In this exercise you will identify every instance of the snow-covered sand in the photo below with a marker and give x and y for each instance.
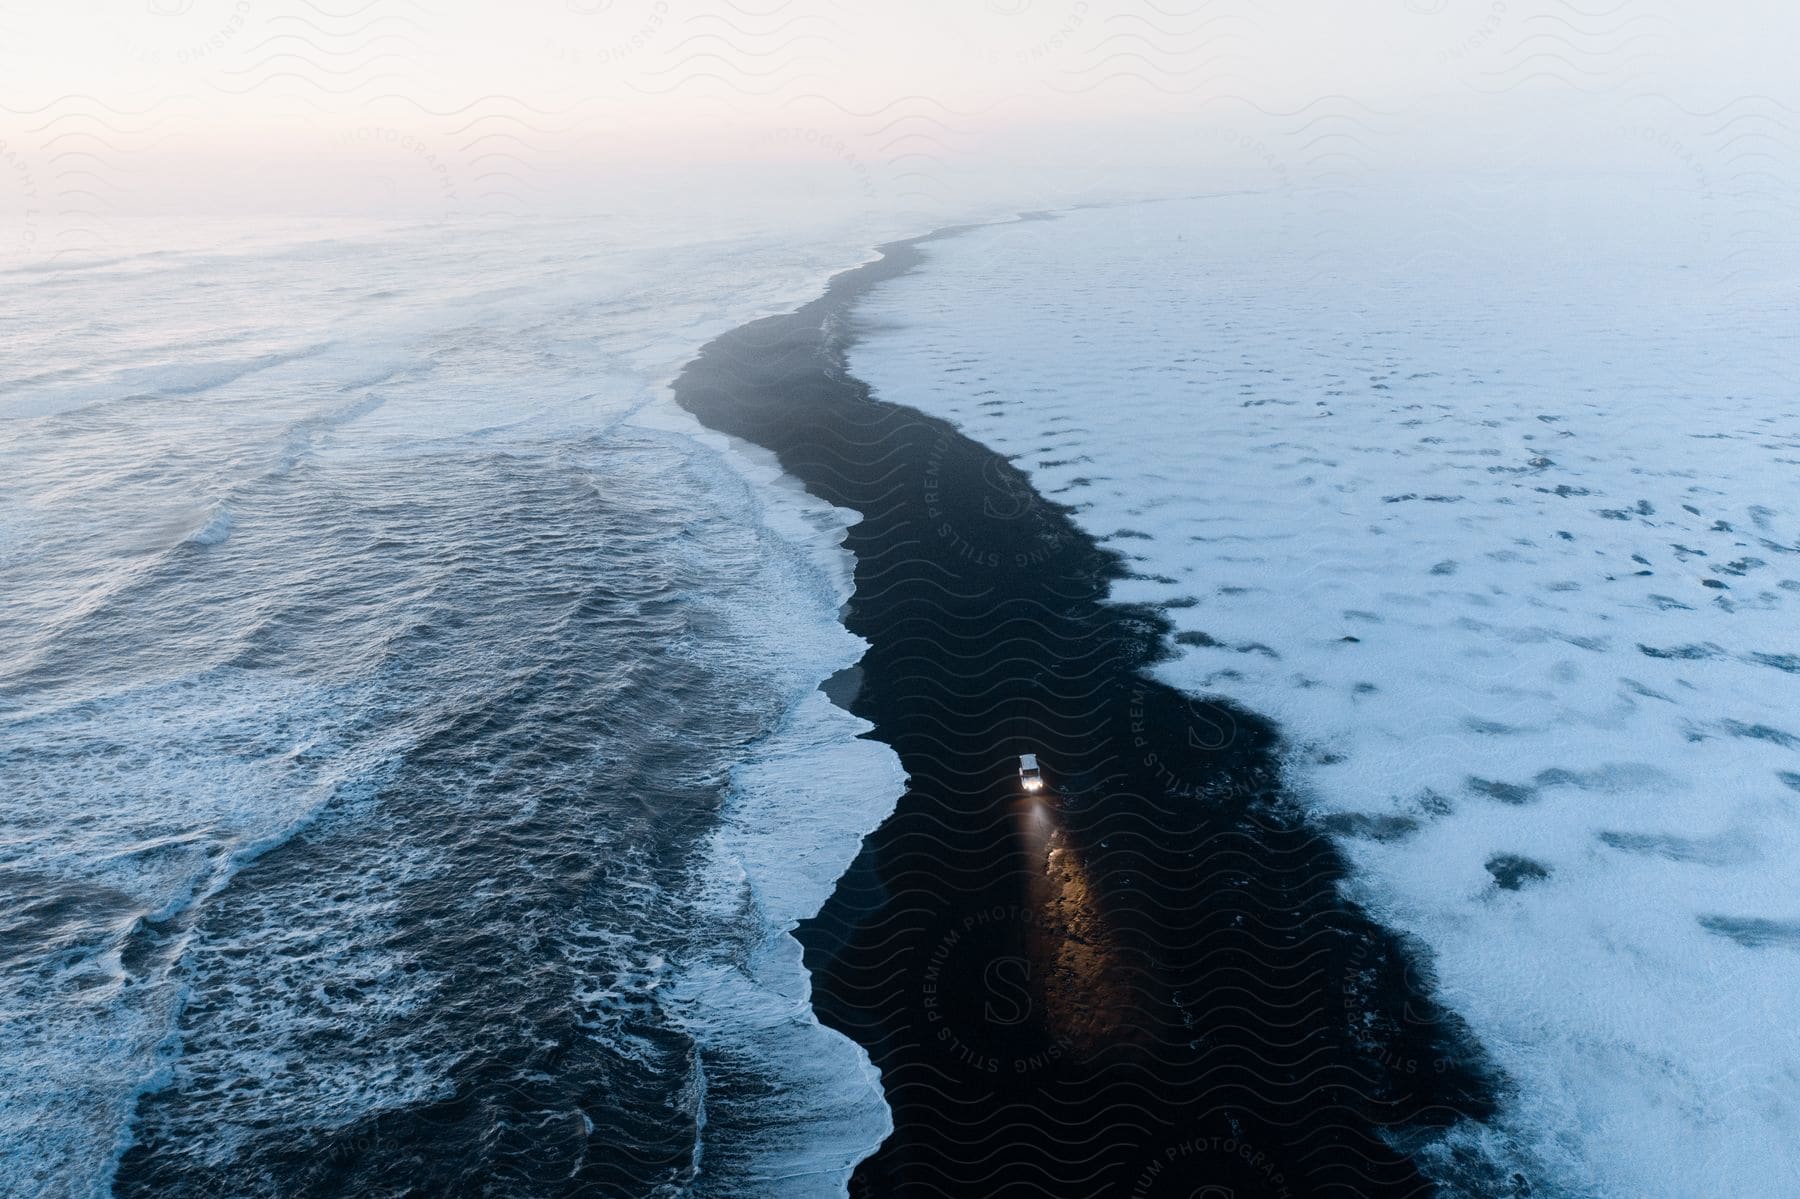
(1490, 499)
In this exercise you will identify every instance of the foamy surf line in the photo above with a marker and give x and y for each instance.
(798, 807)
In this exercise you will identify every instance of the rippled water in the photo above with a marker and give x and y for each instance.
(376, 653)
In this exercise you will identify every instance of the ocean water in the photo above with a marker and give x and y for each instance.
(1487, 495)
(404, 782)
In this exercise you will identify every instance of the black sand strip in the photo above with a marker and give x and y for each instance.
(1140, 981)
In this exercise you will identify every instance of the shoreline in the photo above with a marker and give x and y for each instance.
(1142, 980)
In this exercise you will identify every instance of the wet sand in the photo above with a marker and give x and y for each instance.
(1139, 981)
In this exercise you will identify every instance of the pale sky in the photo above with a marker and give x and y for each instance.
(398, 107)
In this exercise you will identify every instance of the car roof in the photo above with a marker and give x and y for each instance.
(1029, 761)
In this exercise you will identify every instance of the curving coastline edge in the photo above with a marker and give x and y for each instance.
(1143, 981)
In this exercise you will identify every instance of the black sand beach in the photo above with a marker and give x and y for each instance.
(1140, 981)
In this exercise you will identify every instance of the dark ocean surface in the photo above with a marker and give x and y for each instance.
(373, 686)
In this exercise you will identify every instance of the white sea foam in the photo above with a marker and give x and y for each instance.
(1489, 500)
(799, 809)
(110, 831)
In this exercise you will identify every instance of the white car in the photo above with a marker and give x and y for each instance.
(1029, 776)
